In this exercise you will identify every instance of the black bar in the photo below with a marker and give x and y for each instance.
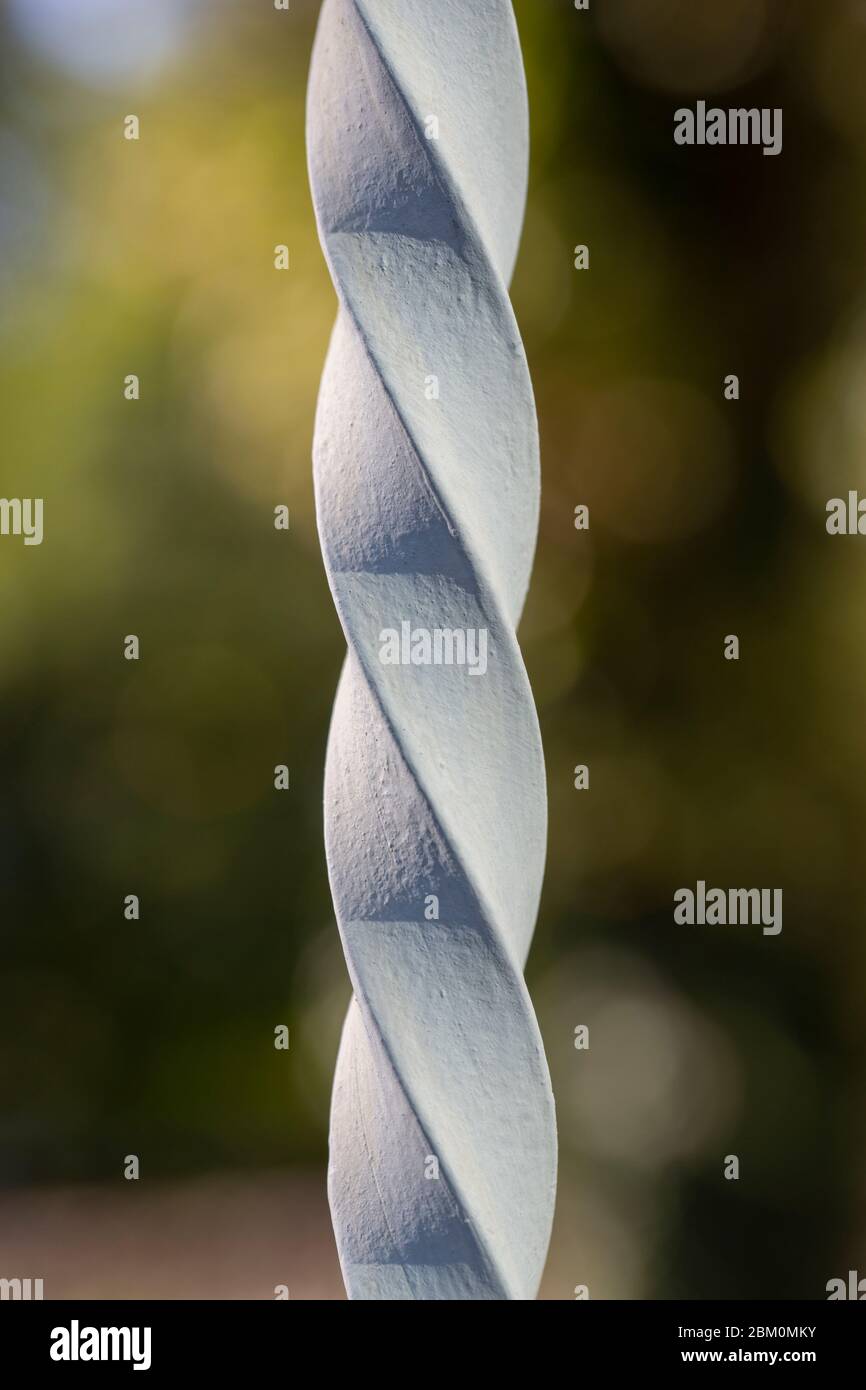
(287, 1338)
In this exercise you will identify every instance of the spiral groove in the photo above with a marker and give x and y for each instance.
(442, 1142)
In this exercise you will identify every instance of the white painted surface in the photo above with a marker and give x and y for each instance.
(428, 512)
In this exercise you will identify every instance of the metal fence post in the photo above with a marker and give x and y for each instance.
(442, 1143)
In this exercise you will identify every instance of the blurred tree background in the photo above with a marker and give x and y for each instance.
(156, 257)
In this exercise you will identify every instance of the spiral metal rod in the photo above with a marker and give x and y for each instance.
(442, 1140)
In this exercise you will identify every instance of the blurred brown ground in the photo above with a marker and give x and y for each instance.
(217, 1237)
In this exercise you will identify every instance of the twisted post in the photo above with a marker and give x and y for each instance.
(442, 1140)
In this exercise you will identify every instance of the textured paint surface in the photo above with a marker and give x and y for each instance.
(428, 512)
